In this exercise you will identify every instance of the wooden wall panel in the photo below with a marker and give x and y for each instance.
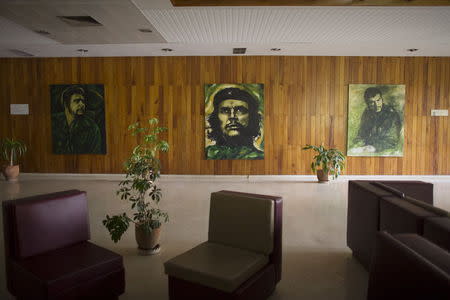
(305, 102)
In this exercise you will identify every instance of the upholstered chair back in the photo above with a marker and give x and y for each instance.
(242, 221)
(47, 222)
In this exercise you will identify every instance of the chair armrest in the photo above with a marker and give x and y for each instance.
(389, 189)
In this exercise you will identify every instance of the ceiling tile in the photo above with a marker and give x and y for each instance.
(301, 25)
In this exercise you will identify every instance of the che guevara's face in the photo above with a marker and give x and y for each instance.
(233, 116)
(77, 105)
(375, 103)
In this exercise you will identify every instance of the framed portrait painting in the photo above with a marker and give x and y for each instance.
(375, 120)
(78, 119)
(234, 121)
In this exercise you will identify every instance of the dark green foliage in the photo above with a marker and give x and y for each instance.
(142, 170)
(11, 149)
(116, 225)
(331, 161)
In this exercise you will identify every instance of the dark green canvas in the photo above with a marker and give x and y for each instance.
(78, 119)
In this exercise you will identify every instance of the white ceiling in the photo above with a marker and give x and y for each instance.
(348, 31)
(121, 21)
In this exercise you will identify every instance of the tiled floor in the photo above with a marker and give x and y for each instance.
(316, 262)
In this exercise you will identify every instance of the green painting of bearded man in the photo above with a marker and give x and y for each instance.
(234, 121)
(78, 119)
(375, 120)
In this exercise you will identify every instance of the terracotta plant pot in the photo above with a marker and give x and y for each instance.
(147, 240)
(322, 176)
(11, 173)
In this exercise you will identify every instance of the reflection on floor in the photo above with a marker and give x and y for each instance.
(316, 262)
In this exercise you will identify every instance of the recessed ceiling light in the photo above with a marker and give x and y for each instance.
(275, 49)
(166, 49)
(42, 32)
(412, 50)
(145, 30)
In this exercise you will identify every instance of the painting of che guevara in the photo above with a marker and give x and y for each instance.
(234, 118)
(78, 119)
(375, 120)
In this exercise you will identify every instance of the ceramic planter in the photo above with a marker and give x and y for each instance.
(322, 176)
(11, 173)
(148, 241)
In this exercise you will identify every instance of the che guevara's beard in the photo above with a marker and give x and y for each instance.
(78, 113)
(234, 126)
(237, 141)
(242, 139)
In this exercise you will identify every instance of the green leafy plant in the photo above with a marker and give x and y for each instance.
(331, 161)
(139, 187)
(12, 149)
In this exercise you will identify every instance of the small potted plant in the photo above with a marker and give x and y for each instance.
(11, 150)
(327, 161)
(139, 188)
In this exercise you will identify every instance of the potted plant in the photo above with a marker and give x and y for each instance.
(11, 150)
(327, 161)
(139, 188)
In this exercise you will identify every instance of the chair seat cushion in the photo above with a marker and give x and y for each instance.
(214, 265)
(53, 272)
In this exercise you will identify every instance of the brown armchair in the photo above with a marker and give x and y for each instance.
(47, 252)
(242, 257)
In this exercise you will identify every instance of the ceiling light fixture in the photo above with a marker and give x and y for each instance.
(145, 30)
(275, 49)
(412, 50)
(82, 50)
(166, 49)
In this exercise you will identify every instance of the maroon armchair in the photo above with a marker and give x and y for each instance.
(242, 257)
(408, 266)
(366, 200)
(47, 252)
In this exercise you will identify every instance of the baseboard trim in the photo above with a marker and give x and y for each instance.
(230, 178)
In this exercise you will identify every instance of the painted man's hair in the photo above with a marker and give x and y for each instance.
(253, 128)
(371, 92)
(67, 93)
